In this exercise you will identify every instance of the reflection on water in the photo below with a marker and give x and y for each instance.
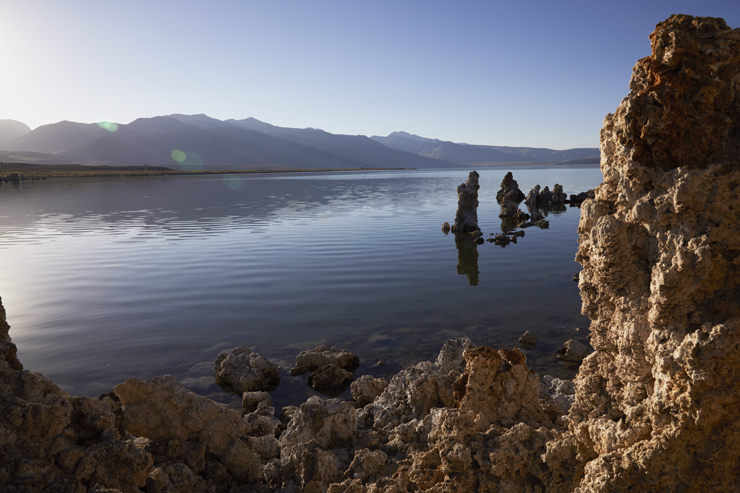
(467, 258)
(105, 279)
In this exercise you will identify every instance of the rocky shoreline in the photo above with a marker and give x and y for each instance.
(654, 407)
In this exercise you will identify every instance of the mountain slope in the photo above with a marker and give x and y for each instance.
(356, 147)
(61, 137)
(11, 130)
(480, 154)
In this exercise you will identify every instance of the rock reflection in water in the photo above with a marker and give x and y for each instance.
(467, 258)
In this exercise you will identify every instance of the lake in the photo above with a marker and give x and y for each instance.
(109, 278)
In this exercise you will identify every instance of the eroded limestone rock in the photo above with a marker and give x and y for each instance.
(466, 217)
(242, 370)
(655, 405)
(313, 359)
(509, 190)
(330, 378)
(366, 388)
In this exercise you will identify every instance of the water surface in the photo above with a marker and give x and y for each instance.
(105, 279)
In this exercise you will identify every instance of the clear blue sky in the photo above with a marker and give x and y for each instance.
(527, 73)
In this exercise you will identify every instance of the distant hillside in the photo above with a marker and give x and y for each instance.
(481, 154)
(11, 130)
(200, 140)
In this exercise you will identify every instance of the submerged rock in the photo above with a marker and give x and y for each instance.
(242, 370)
(330, 378)
(528, 341)
(573, 351)
(466, 217)
(313, 359)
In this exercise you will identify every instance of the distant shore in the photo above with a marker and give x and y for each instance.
(14, 172)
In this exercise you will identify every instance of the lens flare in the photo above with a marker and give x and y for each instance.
(109, 126)
(188, 161)
(178, 156)
(234, 182)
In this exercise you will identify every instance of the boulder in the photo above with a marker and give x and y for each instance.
(366, 388)
(313, 359)
(573, 351)
(528, 341)
(330, 378)
(242, 370)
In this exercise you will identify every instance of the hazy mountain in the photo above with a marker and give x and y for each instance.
(62, 137)
(11, 130)
(481, 154)
(199, 139)
(355, 147)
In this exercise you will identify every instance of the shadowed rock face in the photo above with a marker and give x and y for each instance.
(466, 217)
(660, 249)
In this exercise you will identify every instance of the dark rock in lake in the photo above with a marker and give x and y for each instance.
(509, 208)
(313, 359)
(573, 351)
(466, 217)
(330, 378)
(242, 370)
(509, 190)
(528, 341)
(579, 198)
(446, 227)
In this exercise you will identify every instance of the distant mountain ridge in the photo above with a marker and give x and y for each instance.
(482, 154)
(199, 140)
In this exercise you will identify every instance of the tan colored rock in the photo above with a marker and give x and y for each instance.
(161, 409)
(367, 388)
(313, 359)
(655, 405)
(573, 351)
(242, 370)
(499, 389)
(330, 378)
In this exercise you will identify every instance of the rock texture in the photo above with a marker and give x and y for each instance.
(466, 217)
(509, 190)
(314, 359)
(242, 370)
(656, 405)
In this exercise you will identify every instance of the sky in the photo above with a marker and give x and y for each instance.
(526, 73)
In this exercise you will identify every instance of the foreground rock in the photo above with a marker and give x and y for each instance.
(242, 370)
(466, 217)
(656, 404)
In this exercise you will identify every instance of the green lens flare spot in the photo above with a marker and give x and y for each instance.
(178, 156)
(109, 126)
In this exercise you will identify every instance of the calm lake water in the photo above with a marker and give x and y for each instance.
(105, 279)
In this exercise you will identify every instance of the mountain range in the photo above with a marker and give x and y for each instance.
(200, 141)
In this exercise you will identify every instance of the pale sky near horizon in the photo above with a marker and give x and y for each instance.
(529, 73)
